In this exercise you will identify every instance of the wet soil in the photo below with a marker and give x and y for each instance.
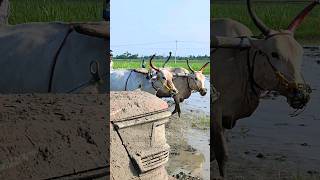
(48, 135)
(189, 156)
(188, 137)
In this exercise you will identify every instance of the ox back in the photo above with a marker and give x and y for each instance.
(32, 54)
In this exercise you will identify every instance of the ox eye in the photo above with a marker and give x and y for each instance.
(163, 78)
(275, 55)
(196, 79)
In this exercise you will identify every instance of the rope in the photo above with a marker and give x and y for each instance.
(55, 59)
(125, 88)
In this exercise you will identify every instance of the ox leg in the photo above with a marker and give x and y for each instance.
(177, 106)
(219, 142)
(220, 151)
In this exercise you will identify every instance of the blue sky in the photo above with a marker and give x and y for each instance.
(146, 27)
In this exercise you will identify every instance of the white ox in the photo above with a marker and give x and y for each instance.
(245, 67)
(52, 57)
(130, 79)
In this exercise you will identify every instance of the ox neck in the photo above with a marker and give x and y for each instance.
(191, 85)
(256, 77)
(183, 84)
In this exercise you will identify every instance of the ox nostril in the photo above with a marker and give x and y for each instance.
(174, 91)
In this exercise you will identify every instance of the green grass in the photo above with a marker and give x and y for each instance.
(23, 11)
(128, 64)
(275, 15)
(201, 122)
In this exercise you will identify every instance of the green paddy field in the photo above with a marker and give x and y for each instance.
(22, 11)
(127, 64)
(276, 15)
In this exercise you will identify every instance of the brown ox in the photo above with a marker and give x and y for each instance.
(186, 83)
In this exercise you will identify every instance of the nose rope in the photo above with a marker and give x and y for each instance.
(290, 87)
(282, 80)
(251, 72)
(164, 84)
(188, 82)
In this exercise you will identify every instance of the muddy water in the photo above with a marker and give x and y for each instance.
(199, 140)
(191, 153)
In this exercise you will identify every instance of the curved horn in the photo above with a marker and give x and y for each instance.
(204, 66)
(164, 64)
(262, 27)
(189, 66)
(143, 65)
(299, 18)
(151, 65)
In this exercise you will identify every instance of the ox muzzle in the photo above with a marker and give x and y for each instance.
(203, 91)
(298, 95)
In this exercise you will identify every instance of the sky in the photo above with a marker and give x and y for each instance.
(147, 27)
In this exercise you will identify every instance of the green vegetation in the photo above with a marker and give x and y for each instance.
(275, 15)
(22, 11)
(201, 122)
(136, 63)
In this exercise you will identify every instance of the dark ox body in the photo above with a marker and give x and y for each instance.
(48, 57)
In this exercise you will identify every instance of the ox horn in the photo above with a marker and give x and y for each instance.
(262, 27)
(164, 64)
(151, 65)
(229, 42)
(204, 67)
(189, 66)
(299, 18)
(106, 10)
(143, 64)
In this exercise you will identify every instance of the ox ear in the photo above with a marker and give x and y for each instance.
(230, 42)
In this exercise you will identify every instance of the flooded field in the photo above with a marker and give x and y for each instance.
(272, 145)
(190, 150)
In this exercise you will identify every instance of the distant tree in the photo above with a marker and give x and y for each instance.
(128, 55)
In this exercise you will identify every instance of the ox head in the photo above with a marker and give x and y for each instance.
(162, 79)
(281, 55)
(198, 79)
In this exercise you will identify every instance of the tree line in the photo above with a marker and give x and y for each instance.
(128, 55)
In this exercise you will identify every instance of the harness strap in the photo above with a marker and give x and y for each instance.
(188, 81)
(251, 73)
(125, 88)
(55, 59)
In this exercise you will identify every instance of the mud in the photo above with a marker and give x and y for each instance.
(189, 154)
(272, 145)
(188, 138)
(47, 135)
(136, 138)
